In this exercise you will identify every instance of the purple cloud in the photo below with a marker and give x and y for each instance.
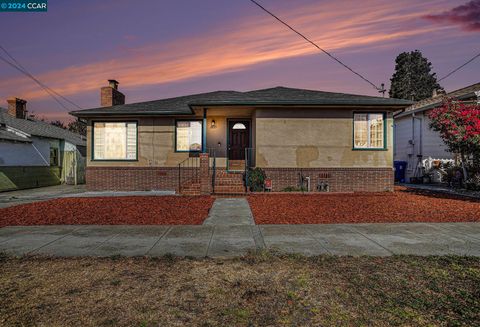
(466, 16)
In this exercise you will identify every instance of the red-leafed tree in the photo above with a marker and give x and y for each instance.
(459, 127)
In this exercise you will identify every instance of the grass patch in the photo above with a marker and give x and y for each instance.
(261, 289)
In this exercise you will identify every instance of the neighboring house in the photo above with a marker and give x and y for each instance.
(342, 142)
(415, 142)
(35, 153)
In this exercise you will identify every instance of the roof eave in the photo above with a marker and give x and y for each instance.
(105, 113)
(433, 105)
(80, 114)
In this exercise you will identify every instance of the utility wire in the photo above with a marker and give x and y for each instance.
(23, 70)
(380, 89)
(460, 67)
(18, 66)
(45, 89)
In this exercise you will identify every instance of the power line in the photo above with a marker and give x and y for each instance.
(26, 72)
(45, 89)
(459, 67)
(380, 89)
(18, 66)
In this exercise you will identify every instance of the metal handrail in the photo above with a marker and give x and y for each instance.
(188, 171)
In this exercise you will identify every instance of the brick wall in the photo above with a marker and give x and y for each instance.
(111, 97)
(132, 178)
(338, 179)
(166, 178)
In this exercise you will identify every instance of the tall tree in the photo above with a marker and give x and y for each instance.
(78, 126)
(413, 78)
(58, 123)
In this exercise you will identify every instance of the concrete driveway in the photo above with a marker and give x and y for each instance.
(229, 241)
(13, 198)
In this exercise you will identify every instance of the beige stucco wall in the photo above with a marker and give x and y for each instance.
(156, 141)
(317, 139)
(156, 145)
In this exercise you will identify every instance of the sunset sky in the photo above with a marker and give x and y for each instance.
(166, 48)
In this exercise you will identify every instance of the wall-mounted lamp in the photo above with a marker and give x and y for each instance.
(219, 144)
(212, 124)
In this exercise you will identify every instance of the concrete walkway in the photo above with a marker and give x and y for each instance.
(228, 241)
(230, 212)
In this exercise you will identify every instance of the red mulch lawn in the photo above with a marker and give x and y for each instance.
(404, 205)
(163, 210)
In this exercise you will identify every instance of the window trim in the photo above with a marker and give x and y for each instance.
(56, 151)
(187, 151)
(92, 152)
(384, 114)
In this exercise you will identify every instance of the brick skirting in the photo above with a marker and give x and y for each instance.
(132, 178)
(338, 179)
(166, 178)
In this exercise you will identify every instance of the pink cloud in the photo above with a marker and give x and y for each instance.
(247, 42)
(466, 16)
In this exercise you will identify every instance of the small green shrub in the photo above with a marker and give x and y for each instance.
(256, 179)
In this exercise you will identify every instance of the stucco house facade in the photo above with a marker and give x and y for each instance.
(415, 142)
(294, 135)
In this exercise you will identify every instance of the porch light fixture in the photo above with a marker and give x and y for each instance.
(212, 124)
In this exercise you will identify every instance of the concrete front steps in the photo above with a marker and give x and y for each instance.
(226, 183)
(236, 165)
(229, 183)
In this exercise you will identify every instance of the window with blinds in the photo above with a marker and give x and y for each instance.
(368, 131)
(188, 135)
(115, 141)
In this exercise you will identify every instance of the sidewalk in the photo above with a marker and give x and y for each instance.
(230, 241)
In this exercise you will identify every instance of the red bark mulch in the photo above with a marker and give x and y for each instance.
(404, 205)
(162, 210)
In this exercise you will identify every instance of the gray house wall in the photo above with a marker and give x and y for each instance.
(36, 153)
(414, 137)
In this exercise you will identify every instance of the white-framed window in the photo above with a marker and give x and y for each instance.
(188, 134)
(369, 130)
(114, 141)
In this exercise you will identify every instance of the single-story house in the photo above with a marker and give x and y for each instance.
(318, 140)
(35, 153)
(415, 142)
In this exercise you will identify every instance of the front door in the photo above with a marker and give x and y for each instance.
(238, 139)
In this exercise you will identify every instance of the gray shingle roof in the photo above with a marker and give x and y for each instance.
(273, 96)
(9, 136)
(40, 128)
(464, 93)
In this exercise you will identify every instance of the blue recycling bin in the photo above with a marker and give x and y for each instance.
(400, 168)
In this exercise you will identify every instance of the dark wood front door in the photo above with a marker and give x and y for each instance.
(238, 138)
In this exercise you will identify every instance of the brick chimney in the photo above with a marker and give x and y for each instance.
(110, 96)
(17, 108)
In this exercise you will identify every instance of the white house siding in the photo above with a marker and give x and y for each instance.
(411, 141)
(403, 132)
(433, 145)
(36, 153)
